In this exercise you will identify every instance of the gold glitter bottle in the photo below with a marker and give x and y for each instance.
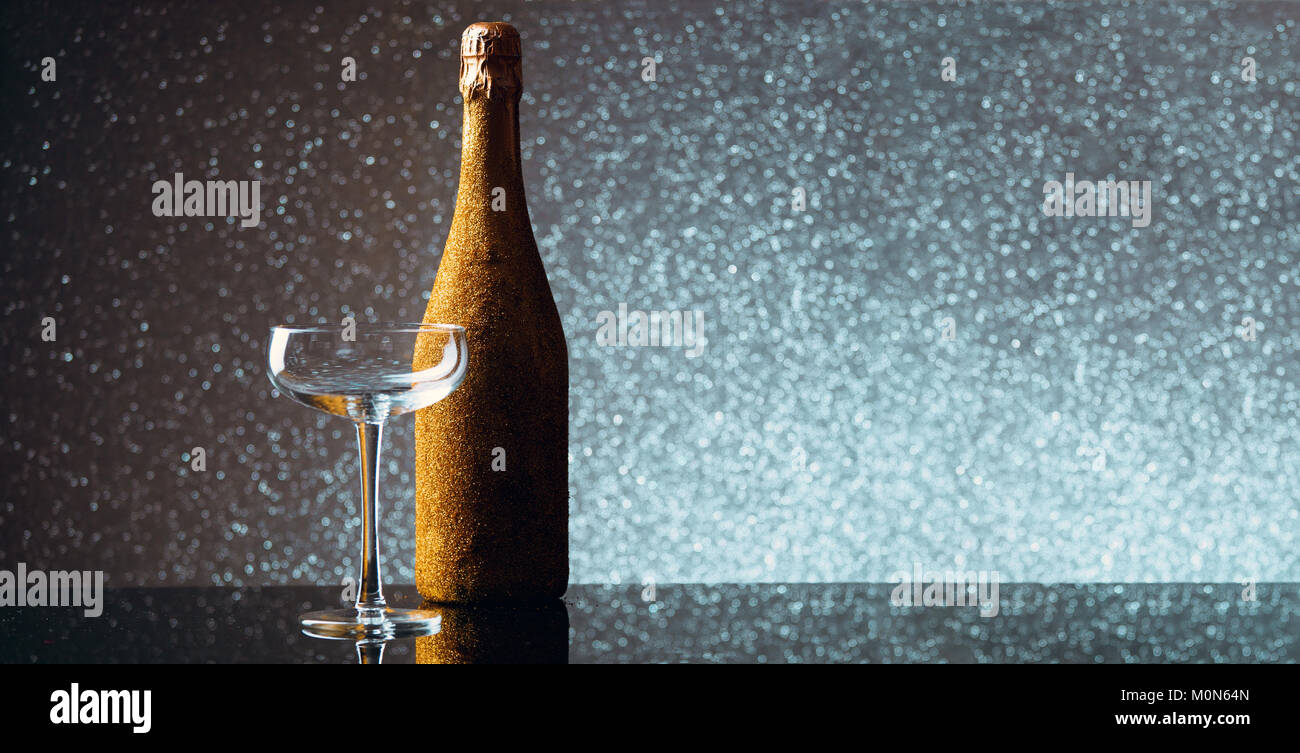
(492, 497)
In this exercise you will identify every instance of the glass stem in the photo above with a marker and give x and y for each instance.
(370, 595)
(370, 652)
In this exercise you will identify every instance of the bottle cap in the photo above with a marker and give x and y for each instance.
(490, 60)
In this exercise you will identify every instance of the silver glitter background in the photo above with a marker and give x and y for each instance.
(826, 433)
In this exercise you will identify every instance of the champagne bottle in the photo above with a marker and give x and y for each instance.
(491, 508)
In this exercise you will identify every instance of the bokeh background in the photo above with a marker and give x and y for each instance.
(1098, 415)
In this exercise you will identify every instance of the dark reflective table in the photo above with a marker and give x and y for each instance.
(758, 623)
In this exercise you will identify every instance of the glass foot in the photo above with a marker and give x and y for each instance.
(369, 624)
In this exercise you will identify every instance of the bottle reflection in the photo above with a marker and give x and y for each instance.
(482, 634)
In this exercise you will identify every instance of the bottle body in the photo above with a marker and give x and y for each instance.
(492, 458)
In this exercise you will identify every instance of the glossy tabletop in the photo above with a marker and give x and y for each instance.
(774, 623)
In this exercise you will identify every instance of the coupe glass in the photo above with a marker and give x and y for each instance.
(367, 373)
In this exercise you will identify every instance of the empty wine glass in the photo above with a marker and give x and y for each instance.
(368, 373)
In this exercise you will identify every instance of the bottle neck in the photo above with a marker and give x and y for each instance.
(490, 157)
